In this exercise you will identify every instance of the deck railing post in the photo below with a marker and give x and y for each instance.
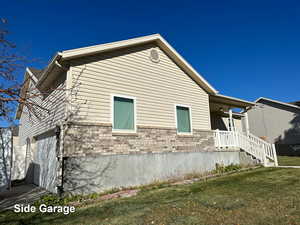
(246, 123)
(264, 158)
(237, 139)
(274, 155)
(230, 121)
(218, 141)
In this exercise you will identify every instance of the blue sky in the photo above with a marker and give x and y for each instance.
(245, 49)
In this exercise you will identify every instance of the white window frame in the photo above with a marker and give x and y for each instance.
(191, 121)
(112, 113)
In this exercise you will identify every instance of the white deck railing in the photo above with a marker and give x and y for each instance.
(251, 144)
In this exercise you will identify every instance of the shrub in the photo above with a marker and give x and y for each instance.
(220, 168)
(50, 200)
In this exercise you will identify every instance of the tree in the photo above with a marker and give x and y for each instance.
(41, 105)
(12, 65)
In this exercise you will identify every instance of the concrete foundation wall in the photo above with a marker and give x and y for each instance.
(98, 173)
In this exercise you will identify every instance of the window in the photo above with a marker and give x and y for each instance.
(123, 115)
(183, 119)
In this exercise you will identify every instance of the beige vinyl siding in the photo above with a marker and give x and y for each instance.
(156, 86)
(55, 103)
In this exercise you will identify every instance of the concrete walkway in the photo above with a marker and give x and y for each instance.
(22, 194)
(296, 167)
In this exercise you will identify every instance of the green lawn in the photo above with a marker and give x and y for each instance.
(289, 160)
(261, 196)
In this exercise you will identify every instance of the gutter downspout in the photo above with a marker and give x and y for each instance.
(59, 131)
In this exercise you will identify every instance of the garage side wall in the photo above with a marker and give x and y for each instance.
(35, 138)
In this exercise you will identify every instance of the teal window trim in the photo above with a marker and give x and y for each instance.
(134, 114)
(190, 119)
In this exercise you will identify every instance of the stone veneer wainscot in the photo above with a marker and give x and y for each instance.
(83, 139)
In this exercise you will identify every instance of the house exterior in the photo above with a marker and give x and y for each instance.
(278, 123)
(123, 114)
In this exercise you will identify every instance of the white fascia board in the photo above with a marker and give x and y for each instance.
(236, 99)
(33, 77)
(95, 49)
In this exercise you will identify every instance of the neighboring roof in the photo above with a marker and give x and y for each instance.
(97, 49)
(235, 102)
(278, 102)
(297, 103)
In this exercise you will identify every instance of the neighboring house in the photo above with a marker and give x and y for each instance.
(124, 114)
(278, 123)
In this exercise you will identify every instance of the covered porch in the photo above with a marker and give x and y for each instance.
(229, 122)
(226, 113)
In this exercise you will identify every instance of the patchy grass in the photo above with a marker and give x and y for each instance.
(260, 196)
(80, 200)
(289, 160)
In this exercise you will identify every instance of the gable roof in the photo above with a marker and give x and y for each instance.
(97, 49)
(277, 102)
(55, 67)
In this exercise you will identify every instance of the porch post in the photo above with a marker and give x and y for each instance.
(274, 155)
(230, 121)
(246, 123)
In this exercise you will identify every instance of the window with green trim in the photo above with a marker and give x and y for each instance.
(123, 116)
(183, 119)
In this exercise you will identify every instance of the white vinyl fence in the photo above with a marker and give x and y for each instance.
(5, 158)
